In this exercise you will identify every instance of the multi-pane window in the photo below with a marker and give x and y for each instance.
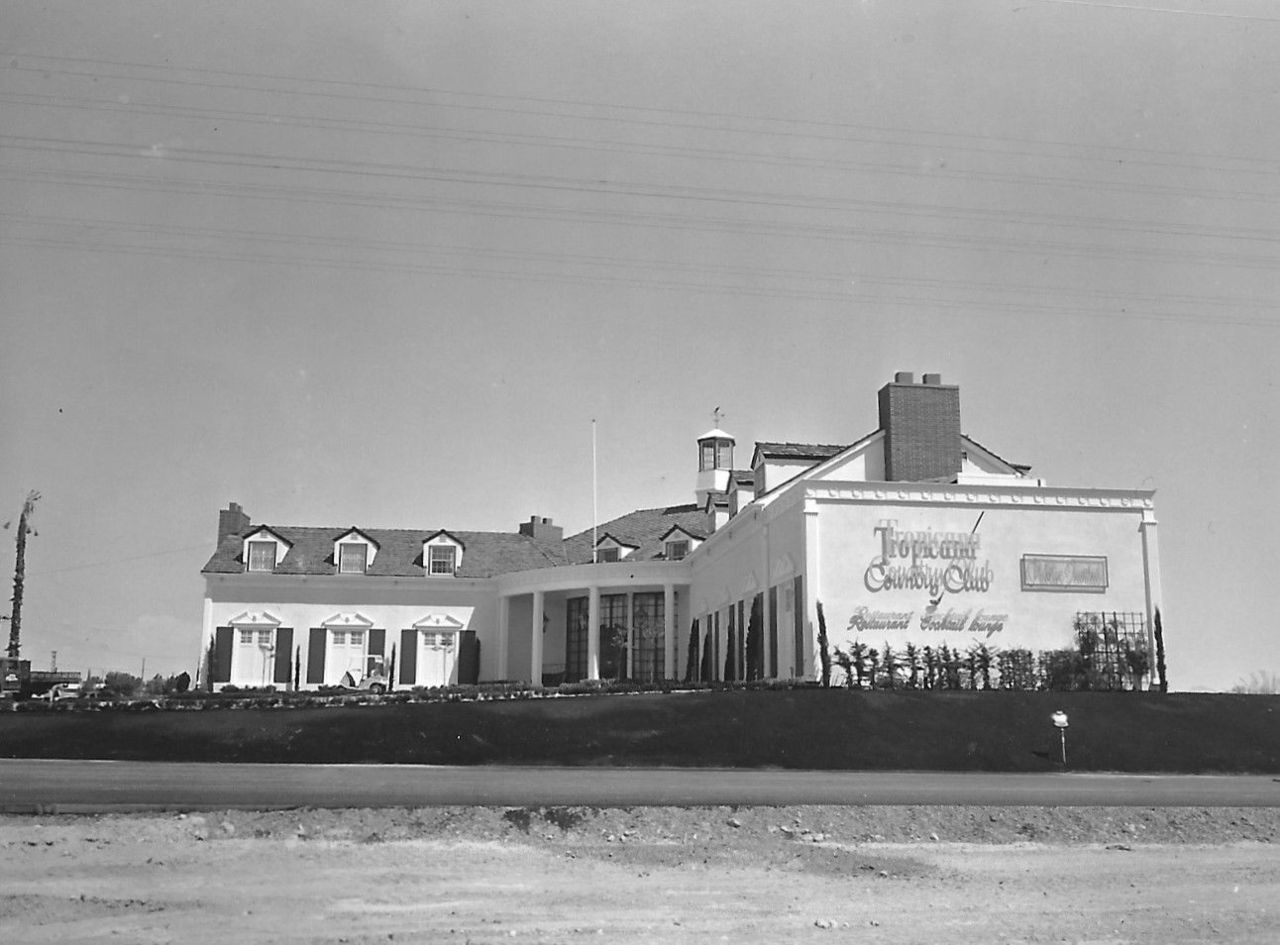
(262, 555)
(443, 559)
(606, 554)
(613, 636)
(724, 454)
(575, 639)
(647, 628)
(677, 550)
(708, 458)
(246, 637)
(353, 558)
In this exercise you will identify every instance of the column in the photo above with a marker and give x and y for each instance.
(202, 669)
(593, 632)
(504, 630)
(535, 645)
(1151, 577)
(766, 618)
(627, 671)
(812, 588)
(669, 632)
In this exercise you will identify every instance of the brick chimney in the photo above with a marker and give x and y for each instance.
(541, 529)
(921, 424)
(231, 521)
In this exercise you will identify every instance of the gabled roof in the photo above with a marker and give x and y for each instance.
(666, 536)
(399, 552)
(447, 534)
(256, 530)
(814, 451)
(1019, 467)
(609, 536)
(356, 531)
(642, 529)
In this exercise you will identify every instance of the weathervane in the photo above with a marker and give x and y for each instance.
(716, 417)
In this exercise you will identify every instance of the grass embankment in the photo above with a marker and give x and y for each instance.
(809, 728)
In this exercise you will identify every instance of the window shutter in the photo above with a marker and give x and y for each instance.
(377, 642)
(284, 655)
(408, 657)
(315, 656)
(220, 665)
(468, 657)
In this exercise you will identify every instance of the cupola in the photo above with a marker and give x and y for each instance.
(715, 463)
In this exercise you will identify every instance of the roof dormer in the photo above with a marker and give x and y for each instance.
(678, 543)
(609, 548)
(263, 549)
(354, 551)
(442, 555)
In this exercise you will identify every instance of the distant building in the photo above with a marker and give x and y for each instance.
(914, 533)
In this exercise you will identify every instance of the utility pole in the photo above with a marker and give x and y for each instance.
(19, 572)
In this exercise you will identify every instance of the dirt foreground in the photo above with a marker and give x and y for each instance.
(795, 874)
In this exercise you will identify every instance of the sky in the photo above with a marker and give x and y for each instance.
(383, 264)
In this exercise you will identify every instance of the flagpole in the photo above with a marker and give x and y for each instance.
(595, 512)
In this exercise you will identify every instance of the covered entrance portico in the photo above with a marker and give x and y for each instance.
(593, 621)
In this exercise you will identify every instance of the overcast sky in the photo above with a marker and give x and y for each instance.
(381, 264)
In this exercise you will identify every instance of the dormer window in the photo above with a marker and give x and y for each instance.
(263, 549)
(353, 558)
(677, 550)
(262, 556)
(609, 548)
(442, 555)
(354, 552)
(443, 560)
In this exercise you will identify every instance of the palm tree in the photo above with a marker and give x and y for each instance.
(912, 656)
(19, 572)
(858, 653)
(890, 663)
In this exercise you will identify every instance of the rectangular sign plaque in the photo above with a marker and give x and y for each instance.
(1064, 573)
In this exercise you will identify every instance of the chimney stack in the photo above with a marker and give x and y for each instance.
(921, 424)
(541, 529)
(231, 521)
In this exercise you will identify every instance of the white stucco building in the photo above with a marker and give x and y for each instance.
(914, 533)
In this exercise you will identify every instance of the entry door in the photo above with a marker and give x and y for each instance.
(437, 658)
(253, 661)
(346, 655)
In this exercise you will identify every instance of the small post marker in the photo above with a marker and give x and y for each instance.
(1060, 720)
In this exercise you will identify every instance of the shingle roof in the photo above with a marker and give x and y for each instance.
(643, 528)
(399, 552)
(815, 451)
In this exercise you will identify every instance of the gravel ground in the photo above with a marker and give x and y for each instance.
(561, 874)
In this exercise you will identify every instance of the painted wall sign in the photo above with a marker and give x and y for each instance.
(930, 621)
(936, 562)
(1064, 573)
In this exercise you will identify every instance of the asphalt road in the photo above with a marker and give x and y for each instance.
(83, 786)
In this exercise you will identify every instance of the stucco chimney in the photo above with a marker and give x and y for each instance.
(921, 424)
(231, 521)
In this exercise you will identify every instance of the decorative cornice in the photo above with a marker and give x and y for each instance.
(1009, 496)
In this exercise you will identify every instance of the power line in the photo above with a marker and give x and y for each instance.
(169, 231)
(329, 263)
(836, 232)
(701, 115)
(739, 156)
(409, 172)
(1173, 10)
(114, 561)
